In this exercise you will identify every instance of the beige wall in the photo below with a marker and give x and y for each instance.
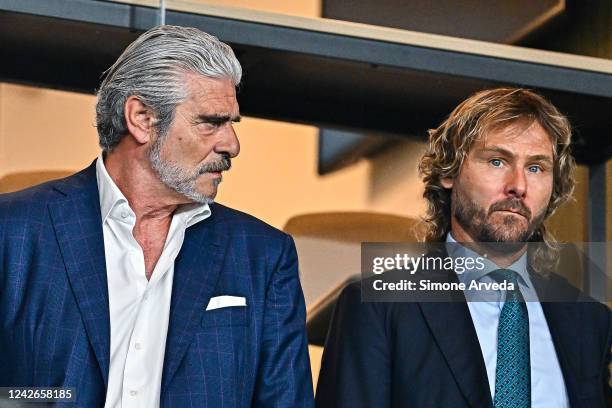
(45, 130)
(276, 177)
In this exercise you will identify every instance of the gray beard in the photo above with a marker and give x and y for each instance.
(177, 178)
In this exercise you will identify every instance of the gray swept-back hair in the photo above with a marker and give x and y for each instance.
(153, 68)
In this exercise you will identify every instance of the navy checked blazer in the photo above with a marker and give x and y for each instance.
(54, 317)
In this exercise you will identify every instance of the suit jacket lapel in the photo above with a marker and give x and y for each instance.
(196, 271)
(78, 228)
(453, 329)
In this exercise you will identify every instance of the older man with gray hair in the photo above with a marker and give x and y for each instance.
(125, 285)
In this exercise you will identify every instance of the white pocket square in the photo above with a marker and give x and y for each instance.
(225, 301)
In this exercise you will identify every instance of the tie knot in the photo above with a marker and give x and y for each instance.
(505, 275)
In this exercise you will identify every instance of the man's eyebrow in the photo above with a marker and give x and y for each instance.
(541, 158)
(218, 118)
(536, 157)
(499, 150)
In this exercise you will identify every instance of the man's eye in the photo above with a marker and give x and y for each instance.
(209, 125)
(534, 169)
(496, 162)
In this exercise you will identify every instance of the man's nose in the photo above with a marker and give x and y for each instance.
(516, 182)
(228, 141)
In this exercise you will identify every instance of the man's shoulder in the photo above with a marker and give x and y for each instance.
(30, 204)
(35, 196)
(45, 192)
(574, 305)
(238, 222)
(352, 298)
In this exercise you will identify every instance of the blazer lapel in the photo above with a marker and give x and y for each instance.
(196, 271)
(453, 329)
(78, 228)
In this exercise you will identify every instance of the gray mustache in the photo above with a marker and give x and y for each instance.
(220, 165)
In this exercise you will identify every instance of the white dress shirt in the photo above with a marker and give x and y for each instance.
(139, 308)
(547, 384)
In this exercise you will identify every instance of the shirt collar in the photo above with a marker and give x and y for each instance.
(113, 200)
(110, 195)
(193, 213)
(456, 250)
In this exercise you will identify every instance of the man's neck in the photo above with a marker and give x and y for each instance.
(150, 199)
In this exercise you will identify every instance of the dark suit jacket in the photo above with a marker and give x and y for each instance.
(428, 355)
(54, 318)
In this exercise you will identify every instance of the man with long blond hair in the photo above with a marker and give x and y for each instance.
(494, 171)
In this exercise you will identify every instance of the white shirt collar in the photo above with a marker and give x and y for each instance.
(114, 204)
(455, 250)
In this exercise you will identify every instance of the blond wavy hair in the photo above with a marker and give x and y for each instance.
(482, 112)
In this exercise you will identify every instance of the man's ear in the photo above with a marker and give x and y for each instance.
(447, 182)
(139, 119)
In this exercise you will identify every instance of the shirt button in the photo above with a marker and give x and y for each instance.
(124, 214)
(133, 393)
(137, 346)
(145, 296)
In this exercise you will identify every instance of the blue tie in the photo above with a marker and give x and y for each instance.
(513, 372)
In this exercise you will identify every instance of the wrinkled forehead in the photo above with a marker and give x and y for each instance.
(206, 95)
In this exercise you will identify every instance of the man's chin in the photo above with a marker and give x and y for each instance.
(504, 240)
(197, 196)
(204, 197)
(206, 190)
(503, 248)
